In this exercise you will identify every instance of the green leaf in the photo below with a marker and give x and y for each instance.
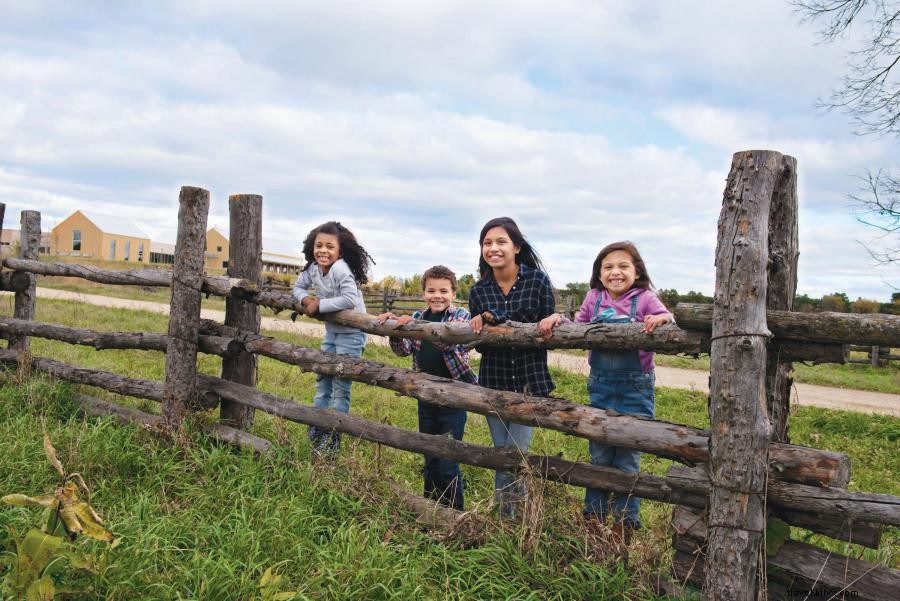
(80, 561)
(777, 533)
(41, 590)
(266, 578)
(34, 553)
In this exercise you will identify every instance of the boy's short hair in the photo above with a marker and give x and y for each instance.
(439, 272)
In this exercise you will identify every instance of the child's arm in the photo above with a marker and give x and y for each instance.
(402, 347)
(655, 313)
(348, 290)
(301, 293)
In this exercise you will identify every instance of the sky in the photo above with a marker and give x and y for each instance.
(413, 123)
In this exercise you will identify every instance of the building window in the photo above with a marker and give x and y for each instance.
(128, 250)
(218, 249)
(76, 239)
(112, 250)
(141, 252)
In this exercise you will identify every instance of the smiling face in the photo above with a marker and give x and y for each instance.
(618, 273)
(498, 249)
(326, 250)
(438, 293)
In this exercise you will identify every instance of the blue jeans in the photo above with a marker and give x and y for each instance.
(331, 392)
(625, 392)
(509, 492)
(443, 480)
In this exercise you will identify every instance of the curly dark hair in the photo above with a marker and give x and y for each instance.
(527, 254)
(439, 272)
(642, 279)
(352, 252)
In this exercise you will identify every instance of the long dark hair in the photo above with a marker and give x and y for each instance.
(642, 279)
(352, 252)
(527, 255)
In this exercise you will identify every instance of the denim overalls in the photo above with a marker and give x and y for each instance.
(617, 382)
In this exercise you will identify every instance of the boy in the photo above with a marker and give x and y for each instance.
(443, 479)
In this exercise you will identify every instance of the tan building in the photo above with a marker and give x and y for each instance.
(89, 234)
(216, 249)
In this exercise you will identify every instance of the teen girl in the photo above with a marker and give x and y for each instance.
(336, 266)
(621, 292)
(512, 287)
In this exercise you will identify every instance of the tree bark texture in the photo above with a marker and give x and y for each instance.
(679, 487)
(129, 415)
(827, 326)
(832, 523)
(29, 243)
(739, 423)
(794, 567)
(180, 390)
(782, 285)
(244, 262)
(211, 345)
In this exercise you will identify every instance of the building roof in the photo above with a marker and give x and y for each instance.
(111, 224)
(282, 259)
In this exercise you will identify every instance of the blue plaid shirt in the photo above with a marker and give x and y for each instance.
(455, 356)
(529, 301)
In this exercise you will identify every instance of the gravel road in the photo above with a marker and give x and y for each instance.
(803, 394)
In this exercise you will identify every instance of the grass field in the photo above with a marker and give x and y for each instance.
(204, 522)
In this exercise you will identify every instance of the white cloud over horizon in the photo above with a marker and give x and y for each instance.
(586, 122)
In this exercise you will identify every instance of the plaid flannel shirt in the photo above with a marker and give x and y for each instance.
(529, 301)
(455, 356)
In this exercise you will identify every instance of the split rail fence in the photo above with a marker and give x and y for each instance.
(734, 477)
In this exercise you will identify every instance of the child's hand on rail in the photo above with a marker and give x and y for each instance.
(651, 322)
(546, 325)
(477, 323)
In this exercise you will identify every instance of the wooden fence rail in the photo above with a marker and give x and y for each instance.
(694, 319)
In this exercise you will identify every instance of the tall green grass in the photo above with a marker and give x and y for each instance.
(204, 522)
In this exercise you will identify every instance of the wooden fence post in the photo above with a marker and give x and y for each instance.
(29, 243)
(244, 262)
(180, 389)
(739, 423)
(2, 215)
(873, 356)
(782, 285)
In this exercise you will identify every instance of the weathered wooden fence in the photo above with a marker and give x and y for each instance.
(744, 471)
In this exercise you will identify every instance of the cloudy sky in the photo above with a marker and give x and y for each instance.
(415, 122)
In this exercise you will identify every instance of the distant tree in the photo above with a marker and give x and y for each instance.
(805, 304)
(464, 283)
(696, 297)
(390, 282)
(864, 305)
(577, 290)
(870, 94)
(412, 285)
(669, 297)
(835, 302)
(870, 91)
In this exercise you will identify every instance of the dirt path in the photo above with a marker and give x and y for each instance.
(804, 394)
